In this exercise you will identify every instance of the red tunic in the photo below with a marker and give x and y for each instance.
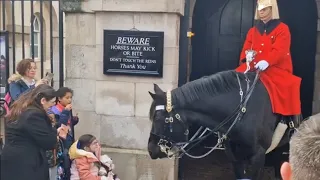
(272, 41)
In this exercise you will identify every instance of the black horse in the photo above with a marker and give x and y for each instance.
(216, 102)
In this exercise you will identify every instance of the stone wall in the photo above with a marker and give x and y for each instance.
(316, 96)
(115, 108)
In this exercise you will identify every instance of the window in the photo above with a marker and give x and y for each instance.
(36, 37)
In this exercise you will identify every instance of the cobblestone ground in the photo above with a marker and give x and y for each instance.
(213, 167)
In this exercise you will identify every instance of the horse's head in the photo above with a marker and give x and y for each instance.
(169, 127)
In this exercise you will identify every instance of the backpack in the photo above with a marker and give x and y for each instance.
(7, 102)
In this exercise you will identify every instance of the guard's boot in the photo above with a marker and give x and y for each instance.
(277, 135)
(297, 119)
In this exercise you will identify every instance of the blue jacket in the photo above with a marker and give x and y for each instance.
(62, 117)
(17, 86)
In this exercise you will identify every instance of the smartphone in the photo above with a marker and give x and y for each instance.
(49, 76)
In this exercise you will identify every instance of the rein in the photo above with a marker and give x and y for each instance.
(166, 144)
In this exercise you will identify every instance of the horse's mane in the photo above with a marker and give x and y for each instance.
(212, 85)
(152, 110)
(221, 82)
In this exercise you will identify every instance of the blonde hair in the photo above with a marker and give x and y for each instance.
(305, 150)
(274, 8)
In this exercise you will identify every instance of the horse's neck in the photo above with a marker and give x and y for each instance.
(212, 112)
(201, 119)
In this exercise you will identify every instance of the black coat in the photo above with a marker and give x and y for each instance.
(24, 154)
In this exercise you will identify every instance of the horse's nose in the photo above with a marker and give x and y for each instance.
(153, 155)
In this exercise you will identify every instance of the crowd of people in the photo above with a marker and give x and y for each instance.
(39, 135)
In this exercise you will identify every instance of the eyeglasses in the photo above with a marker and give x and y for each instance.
(95, 142)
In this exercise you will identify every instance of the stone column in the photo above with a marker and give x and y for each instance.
(316, 96)
(115, 108)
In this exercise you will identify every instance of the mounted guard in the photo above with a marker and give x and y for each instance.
(267, 48)
(250, 129)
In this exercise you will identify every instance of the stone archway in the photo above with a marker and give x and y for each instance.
(303, 31)
(46, 14)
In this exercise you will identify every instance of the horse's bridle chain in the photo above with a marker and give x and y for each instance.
(166, 146)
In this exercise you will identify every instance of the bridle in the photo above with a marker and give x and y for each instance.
(167, 145)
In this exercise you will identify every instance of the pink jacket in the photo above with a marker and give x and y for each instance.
(83, 165)
(84, 169)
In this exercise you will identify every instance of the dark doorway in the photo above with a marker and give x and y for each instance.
(303, 30)
(220, 27)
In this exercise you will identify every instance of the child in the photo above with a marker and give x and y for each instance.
(85, 154)
(66, 122)
(54, 157)
(63, 113)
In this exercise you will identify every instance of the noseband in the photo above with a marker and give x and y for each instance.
(166, 144)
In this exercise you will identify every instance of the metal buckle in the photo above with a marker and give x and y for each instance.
(291, 124)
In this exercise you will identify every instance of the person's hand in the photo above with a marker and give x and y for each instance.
(68, 107)
(262, 65)
(59, 129)
(76, 117)
(41, 81)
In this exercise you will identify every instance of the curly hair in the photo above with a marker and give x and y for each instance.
(24, 65)
(31, 98)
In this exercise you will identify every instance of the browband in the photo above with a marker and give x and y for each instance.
(160, 107)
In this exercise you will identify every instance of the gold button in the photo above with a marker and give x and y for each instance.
(262, 44)
(260, 51)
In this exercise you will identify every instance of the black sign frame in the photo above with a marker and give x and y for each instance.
(5, 35)
(151, 59)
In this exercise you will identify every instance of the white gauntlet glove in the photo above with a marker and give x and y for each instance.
(262, 65)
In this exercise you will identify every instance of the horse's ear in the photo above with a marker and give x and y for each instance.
(152, 95)
(157, 89)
